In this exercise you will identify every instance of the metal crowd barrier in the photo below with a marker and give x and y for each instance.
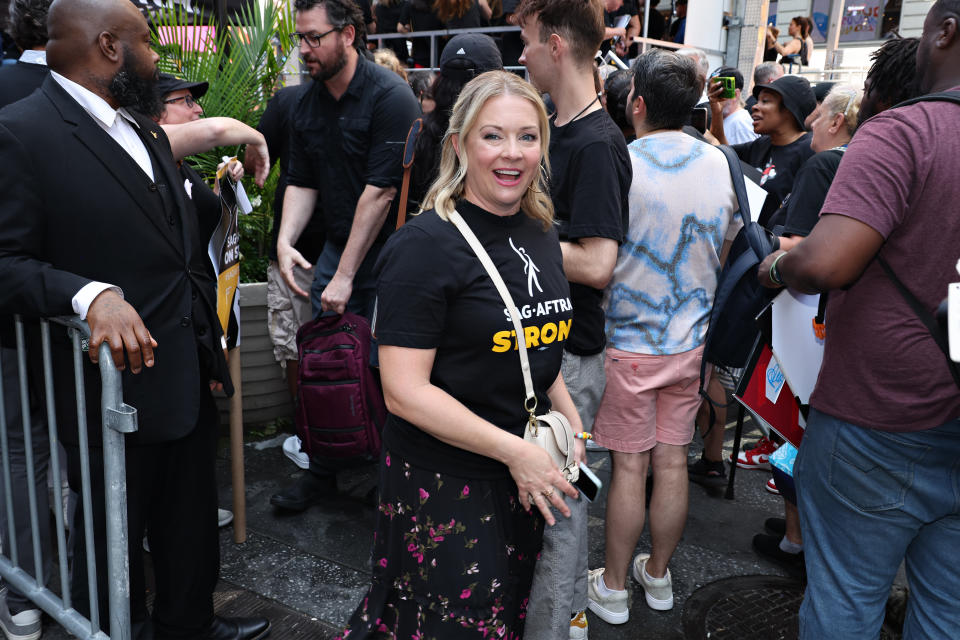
(118, 419)
(433, 35)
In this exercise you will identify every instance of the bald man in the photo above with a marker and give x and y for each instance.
(95, 221)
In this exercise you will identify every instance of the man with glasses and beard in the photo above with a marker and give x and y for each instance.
(347, 136)
(95, 221)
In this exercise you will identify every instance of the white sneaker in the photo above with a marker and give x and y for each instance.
(22, 626)
(224, 517)
(291, 449)
(612, 608)
(659, 591)
(578, 626)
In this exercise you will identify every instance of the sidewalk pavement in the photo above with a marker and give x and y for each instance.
(316, 563)
(307, 572)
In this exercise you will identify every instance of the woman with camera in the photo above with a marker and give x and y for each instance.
(464, 497)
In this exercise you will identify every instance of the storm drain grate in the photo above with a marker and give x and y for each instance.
(744, 608)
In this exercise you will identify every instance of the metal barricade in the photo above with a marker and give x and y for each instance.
(118, 419)
(433, 35)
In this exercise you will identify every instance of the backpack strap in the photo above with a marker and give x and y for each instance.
(740, 266)
(925, 317)
(739, 186)
(942, 96)
(409, 151)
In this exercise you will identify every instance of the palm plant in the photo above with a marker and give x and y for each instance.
(243, 64)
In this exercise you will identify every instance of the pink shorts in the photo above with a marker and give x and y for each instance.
(648, 399)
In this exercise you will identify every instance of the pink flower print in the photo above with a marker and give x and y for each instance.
(465, 594)
(387, 460)
(383, 562)
(419, 557)
(465, 491)
(433, 563)
(411, 547)
(423, 495)
(438, 538)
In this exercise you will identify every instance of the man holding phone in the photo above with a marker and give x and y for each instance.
(737, 122)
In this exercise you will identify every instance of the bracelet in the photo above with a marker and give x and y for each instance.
(583, 435)
(774, 272)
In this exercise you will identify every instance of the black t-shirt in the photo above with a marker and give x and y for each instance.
(275, 127)
(387, 20)
(778, 164)
(421, 17)
(338, 147)
(657, 26)
(589, 183)
(433, 293)
(801, 209)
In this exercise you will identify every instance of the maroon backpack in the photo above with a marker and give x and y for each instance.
(340, 409)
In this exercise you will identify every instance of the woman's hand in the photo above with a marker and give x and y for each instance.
(539, 481)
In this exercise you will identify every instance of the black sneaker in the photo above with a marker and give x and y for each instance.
(707, 473)
(769, 547)
(777, 526)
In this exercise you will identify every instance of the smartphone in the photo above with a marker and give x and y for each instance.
(588, 483)
(698, 119)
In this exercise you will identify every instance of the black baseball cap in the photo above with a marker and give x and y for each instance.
(730, 72)
(167, 84)
(821, 89)
(468, 55)
(797, 96)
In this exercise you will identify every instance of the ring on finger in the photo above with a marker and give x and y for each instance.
(547, 493)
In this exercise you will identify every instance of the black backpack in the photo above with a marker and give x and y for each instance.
(739, 296)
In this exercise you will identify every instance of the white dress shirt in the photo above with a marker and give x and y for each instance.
(121, 129)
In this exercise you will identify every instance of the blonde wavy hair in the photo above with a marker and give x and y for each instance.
(843, 99)
(451, 177)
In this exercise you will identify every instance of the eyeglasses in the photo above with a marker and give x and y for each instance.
(313, 39)
(187, 100)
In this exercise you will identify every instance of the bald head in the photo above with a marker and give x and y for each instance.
(103, 45)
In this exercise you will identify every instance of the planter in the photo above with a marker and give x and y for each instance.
(265, 393)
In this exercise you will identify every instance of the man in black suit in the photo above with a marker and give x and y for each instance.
(96, 221)
(28, 24)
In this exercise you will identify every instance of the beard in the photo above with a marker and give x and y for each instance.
(130, 87)
(325, 72)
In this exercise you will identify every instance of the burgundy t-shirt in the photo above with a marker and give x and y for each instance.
(900, 175)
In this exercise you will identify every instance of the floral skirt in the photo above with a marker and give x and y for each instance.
(452, 558)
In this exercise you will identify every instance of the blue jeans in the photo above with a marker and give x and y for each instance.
(364, 284)
(868, 500)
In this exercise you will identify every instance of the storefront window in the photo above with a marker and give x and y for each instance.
(862, 19)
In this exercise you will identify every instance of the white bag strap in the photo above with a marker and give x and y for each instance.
(531, 401)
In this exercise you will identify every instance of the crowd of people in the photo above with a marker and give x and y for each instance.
(563, 251)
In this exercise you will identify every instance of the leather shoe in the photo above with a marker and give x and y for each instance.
(308, 490)
(237, 629)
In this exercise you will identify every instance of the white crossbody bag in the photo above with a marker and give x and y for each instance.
(550, 431)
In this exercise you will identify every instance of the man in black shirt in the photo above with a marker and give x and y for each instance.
(590, 180)
(347, 135)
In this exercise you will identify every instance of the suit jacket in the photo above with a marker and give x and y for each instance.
(17, 81)
(76, 208)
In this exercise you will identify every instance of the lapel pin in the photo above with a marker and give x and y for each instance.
(154, 134)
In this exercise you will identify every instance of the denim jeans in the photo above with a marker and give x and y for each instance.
(868, 500)
(364, 284)
(560, 580)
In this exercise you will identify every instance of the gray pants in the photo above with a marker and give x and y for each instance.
(560, 581)
(19, 479)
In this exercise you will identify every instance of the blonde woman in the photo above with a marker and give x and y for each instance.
(464, 498)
